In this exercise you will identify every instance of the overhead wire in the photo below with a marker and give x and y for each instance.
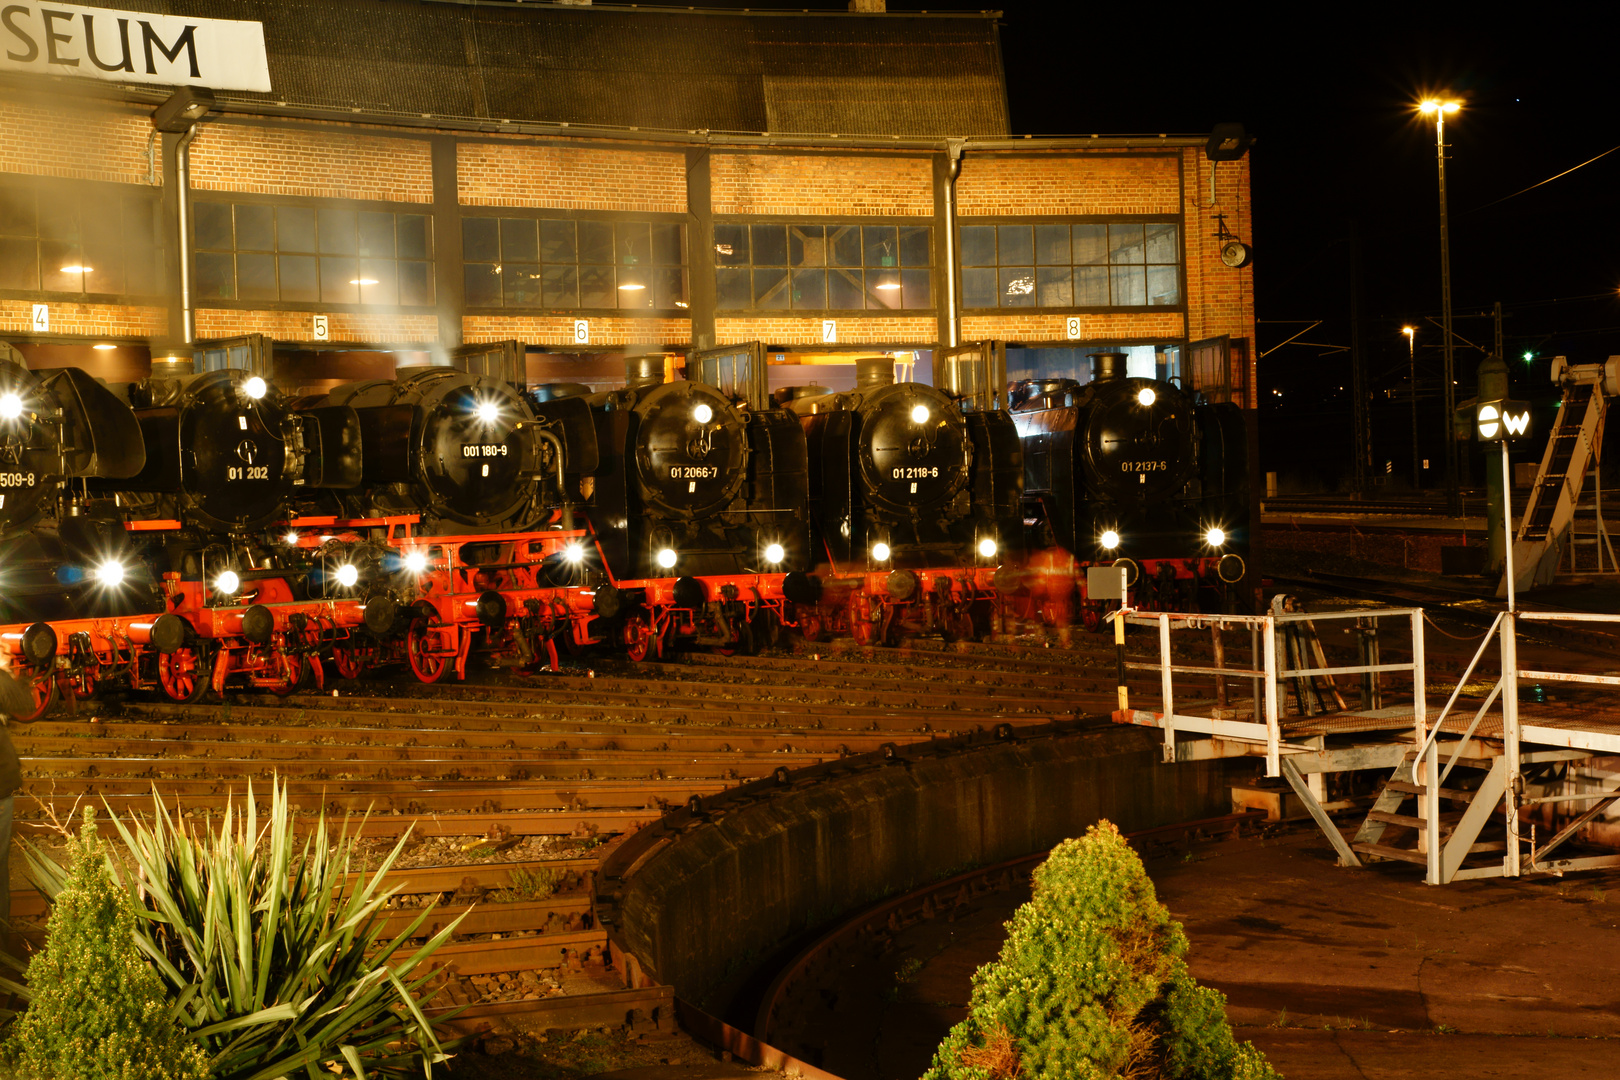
(1549, 180)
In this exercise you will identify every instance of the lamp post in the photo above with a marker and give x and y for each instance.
(1440, 109)
(1411, 356)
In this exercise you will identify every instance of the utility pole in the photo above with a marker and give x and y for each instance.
(1362, 450)
(1448, 379)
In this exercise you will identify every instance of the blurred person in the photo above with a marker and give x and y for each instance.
(15, 701)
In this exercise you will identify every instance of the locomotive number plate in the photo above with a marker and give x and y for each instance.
(476, 450)
(693, 472)
(247, 472)
(1144, 466)
(16, 479)
(920, 472)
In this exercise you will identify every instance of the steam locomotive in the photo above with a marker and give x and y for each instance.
(1137, 473)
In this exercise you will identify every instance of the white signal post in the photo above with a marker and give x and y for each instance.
(1503, 421)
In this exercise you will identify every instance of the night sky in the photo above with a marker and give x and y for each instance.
(1341, 150)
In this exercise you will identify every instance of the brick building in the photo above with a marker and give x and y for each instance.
(586, 181)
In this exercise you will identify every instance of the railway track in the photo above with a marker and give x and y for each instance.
(514, 791)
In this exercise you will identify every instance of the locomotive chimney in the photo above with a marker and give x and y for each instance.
(645, 370)
(874, 371)
(173, 366)
(1107, 365)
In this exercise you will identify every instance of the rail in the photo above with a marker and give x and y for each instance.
(1283, 648)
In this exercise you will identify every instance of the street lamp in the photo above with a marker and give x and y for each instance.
(1440, 109)
(1411, 356)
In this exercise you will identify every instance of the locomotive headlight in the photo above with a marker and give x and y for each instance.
(666, 558)
(415, 562)
(987, 548)
(574, 552)
(11, 406)
(880, 551)
(1146, 396)
(110, 573)
(775, 553)
(703, 414)
(488, 412)
(1109, 540)
(347, 575)
(1215, 537)
(255, 388)
(920, 414)
(227, 583)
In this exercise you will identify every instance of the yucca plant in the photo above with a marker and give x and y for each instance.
(271, 955)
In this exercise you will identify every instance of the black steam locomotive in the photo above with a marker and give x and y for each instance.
(1133, 472)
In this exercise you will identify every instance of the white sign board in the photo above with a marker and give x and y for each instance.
(132, 46)
(829, 331)
(42, 318)
(321, 329)
(582, 331)
(1071, 327)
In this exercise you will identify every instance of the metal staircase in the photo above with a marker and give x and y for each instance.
(1573, 448)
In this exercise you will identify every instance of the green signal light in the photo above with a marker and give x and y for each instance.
(1529, 356)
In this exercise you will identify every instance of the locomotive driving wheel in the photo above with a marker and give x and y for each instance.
(353, 659)
(184, 674)
(861, 627)
(956, 625)
(638, 638)
(41, 687)
(426, 666)
(812, 625)
(293, 671)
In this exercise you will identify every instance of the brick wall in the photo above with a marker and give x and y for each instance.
(332, 164)
(571, 177)
(559, 330)
(298, 325)
(919, 330)
(799, 185)
(1220, 300)
(1110, 327)
(1068, 183)
(91, 320)
(82, 140)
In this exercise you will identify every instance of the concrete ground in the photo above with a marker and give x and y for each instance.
(1354, 974)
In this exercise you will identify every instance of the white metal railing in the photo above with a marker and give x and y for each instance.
(1267, 671)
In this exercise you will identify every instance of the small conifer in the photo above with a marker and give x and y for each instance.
(1092, 983)
(97, 1011)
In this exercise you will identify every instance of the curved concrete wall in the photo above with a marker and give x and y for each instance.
(725, 895)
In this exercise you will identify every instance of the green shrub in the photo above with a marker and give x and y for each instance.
(272, 954)
(98, 1011)
(1092, 983)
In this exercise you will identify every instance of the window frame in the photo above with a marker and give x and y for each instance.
(614, 217)
(358, 206)
(787, 221)
(1178, 220)
(84, 189)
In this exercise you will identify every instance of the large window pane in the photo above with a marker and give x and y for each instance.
(669, 288)
(295, 228)
(807, 246)
(1018, 286)
(1128, 286)
(255, 228)
(557, 242)
(211, 225)
(634, 244)
(667, 246)
(915, 246)
(731, 245)
(336, 229)
(483, 285)
(640, 297)
(519, 241)
(844, 245)
(1090, 245)
(104, 256)
(416, 283)
(881, 244)
(58, 216)
(340, 280)
(770, 245)
(560, 286)
(596, 284)
(299, 279)
(810, 289)
(216, 275)
(1163, 285)
(376, 236)
(521, 284)
(595, 244)
(979, 246)
(917, 288)
(256, 278)
(882, 288)
(19, 263)
(413, 237)
(1053, 286)
(771, 287)
(1052, 245)
(1015, 245)
(379, 281)
(17, 212)
(1161, 244)
(979, 288)
(60, 266)
(1091, 286)
(1125, 244)
(845, 290)
(480, 240)
(732, 289)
